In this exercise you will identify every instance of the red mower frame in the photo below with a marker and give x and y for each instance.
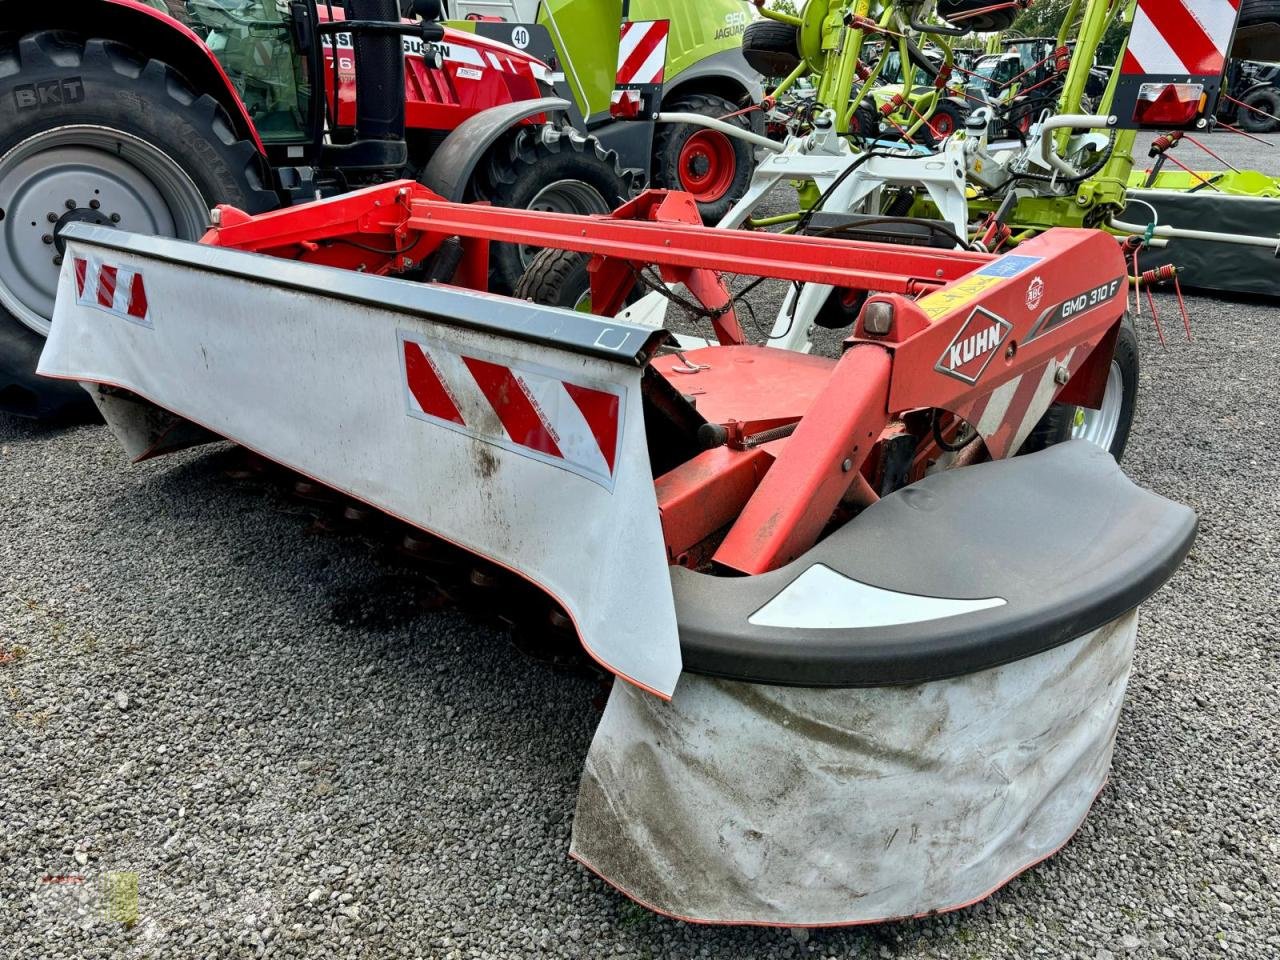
(955, 355)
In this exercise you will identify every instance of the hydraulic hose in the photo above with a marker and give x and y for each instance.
(1178, 233)
(728, 129)
(1068, 121)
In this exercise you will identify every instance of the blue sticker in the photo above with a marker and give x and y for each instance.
(1009, 266)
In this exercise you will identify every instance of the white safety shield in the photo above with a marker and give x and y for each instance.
(531, 455)
(742, 803)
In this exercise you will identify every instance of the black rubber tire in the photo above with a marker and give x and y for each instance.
(950, 112)
(840, 309)
(865, 123)
(126, 91)
(1021, 115)
(1266, 99)
(1253, 12)
(772, 49)
(521, 165)
(555, 278)
(1258, 33)
(1055, 426)
(559, 278)
(671, 137)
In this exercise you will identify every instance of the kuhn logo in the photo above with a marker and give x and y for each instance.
(967, 356)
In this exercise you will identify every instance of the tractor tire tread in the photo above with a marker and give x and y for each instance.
(665, 172)
(771, 48)
(516, 165)
(223, 166)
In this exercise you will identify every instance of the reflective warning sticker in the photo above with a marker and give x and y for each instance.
(966, 291)
(522, 407)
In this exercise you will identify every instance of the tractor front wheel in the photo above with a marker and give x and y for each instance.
(551, 169)
(945, 120)
(712, 166)
(1107, 427)
(122, 141)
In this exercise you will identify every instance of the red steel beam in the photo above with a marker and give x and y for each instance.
(814, 471)
(840, 263)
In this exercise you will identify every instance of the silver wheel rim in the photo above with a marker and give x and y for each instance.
(88, 173)
(564, 196)
(1100, 426)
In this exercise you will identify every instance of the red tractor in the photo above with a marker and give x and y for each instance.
(143, 114)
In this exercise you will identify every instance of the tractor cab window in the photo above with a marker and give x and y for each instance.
(891, 71)
(999, 70)
(254, 42)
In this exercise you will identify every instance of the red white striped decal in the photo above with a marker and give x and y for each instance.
(117, 290)
(522, 407)
(1007, 415)
(1181, 37)
(642, 52)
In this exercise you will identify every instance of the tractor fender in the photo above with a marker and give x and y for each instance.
(725, 74)
(449, 171)
(1253, 87)
(150, 31)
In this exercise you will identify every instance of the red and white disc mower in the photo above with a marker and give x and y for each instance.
(872, 662)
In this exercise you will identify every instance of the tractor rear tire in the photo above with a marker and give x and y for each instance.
(771, 49)
(1254, 12)
(551, 169)
(1266, 99)
(1258, 31)
(712, 166)
(92, 130)
(1108, 427)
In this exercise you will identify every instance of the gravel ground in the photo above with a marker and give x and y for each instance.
(269, 727)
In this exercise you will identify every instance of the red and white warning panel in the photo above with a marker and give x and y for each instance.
(642, 52)
(531, 411)
(642, 68)
(1171, 74)
(117, 290)
(514, 430)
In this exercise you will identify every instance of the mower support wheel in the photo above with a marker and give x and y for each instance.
(557, 278)
(1107, 427)
(560, 278)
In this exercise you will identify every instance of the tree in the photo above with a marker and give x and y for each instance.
(1044, 19)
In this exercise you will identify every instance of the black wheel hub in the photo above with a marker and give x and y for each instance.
(78, 215)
